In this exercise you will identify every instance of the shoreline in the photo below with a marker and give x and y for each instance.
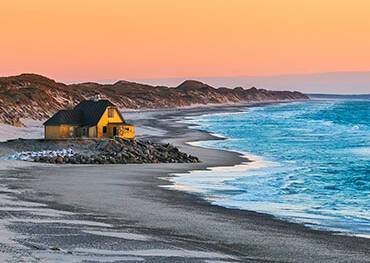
(130, 200)
(249, 162)
(245, 161)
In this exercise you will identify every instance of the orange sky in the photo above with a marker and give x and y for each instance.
(119, 39)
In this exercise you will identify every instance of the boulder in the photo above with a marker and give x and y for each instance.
(59, 160)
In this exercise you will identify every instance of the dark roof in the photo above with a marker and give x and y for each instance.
(86, 113)
(92, 110)
(65, 117)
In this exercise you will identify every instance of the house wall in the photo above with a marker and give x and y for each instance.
(51, 132)
(104, 120)
(127, 131)
(123, 130)
(59, 131)
(92, 132)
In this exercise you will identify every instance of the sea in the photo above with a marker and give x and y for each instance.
(311, 162)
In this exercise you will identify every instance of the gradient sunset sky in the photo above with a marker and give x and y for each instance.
(116, 39)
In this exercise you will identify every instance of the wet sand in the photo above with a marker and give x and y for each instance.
(118, 213)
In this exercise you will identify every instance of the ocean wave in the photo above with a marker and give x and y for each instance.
(310, 163)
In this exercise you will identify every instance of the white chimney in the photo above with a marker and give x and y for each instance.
(97, 97)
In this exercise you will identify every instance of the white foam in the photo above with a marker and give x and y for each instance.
(198, 181)
(254, 162)
(238, 112)
(363, 151)
(362, 235)
(220, 136)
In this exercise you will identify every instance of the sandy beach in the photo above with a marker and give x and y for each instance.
(119, 213)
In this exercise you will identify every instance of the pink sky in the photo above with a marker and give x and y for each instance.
(116, 39)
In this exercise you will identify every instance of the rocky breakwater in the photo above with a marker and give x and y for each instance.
(118, 151)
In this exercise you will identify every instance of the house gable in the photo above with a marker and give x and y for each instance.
(106, 118)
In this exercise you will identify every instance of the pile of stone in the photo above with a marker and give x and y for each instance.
(121, 151)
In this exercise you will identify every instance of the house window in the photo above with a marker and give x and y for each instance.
(110, 113)
(104, 129)
(71, 131)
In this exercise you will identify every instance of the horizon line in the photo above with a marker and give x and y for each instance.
(192, 77)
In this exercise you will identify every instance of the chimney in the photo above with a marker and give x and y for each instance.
(97, 97)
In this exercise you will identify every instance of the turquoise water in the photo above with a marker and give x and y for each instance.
(313, 163)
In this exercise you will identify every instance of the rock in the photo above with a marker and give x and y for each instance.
(116, 151)
(59, 160)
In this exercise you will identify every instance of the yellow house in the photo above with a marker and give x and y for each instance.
(95, 118)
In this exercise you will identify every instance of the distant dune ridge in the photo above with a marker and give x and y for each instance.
(38, 97)
(327, 82)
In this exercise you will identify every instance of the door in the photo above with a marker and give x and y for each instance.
(114, 131)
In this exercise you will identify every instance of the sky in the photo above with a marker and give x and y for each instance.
(148, 39)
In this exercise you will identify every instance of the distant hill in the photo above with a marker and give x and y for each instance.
(38, 97)
(328, 82)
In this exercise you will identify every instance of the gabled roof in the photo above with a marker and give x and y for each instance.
(92, 110)
(65, 117)
(86, 113)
